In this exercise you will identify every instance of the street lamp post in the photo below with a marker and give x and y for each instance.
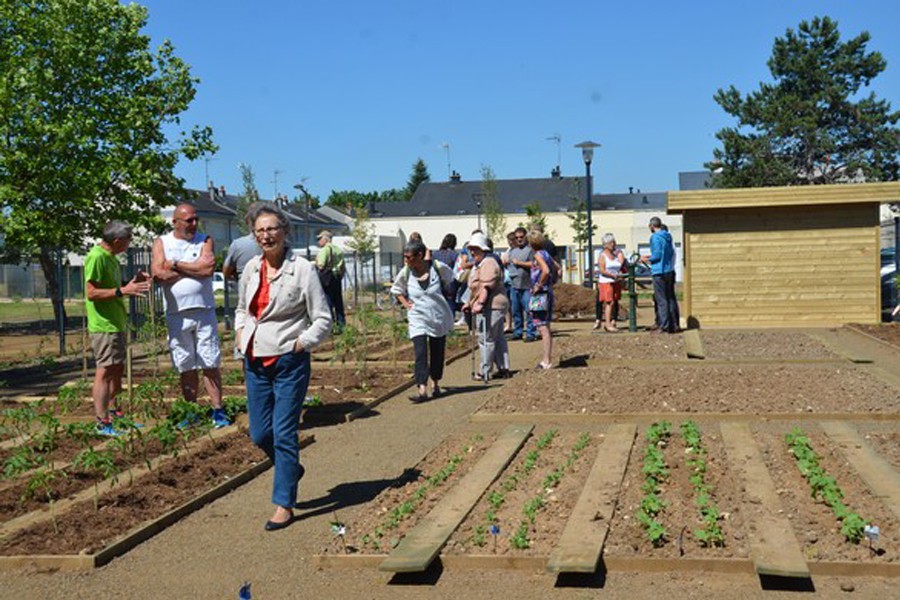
(302, 189)
(587, 153)
(478, 197)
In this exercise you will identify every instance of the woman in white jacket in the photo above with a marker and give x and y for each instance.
(282, 314)
(421, 288)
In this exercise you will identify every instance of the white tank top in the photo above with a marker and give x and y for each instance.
(613, 265)
(187, 292)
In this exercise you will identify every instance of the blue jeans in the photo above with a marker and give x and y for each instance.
(275, 396)
(518, 304)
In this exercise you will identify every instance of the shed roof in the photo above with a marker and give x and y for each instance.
(801, 195)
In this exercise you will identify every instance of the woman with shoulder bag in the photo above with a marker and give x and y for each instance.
(282, 314)
(540, 305)
(422, 287)
(489, 303)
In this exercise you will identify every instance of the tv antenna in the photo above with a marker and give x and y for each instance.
(275, 181)
(446, 146)
(558, 139)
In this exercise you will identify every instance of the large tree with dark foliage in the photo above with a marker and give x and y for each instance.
(812, 124)
(86, 109)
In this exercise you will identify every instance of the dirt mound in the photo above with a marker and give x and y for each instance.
(571, 300)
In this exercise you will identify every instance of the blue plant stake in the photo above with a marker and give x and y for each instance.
(495, 531)
(244, 594)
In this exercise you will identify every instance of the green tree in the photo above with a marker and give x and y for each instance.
(85, 107)
(535, 218)
(494, 218)
(362, 238)
(811, 125)
(419, 175)
(248, 197)
(578, 221)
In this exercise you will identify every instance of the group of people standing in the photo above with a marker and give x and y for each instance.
(288, 305)
(485, 287)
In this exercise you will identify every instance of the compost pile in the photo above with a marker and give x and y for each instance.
(571, 300)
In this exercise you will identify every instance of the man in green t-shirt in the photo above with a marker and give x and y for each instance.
(107, 317)
(330, 263)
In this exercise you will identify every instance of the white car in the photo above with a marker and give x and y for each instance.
(218, 282)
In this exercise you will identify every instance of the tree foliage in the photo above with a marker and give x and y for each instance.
(494, 218)
(578, 221)
(85, 107)
(418, 176)
(811, 125)
(362, 238)
(535, 218)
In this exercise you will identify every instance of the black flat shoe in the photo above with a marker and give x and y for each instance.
(437, 392)
(275, 526)
(417, 398)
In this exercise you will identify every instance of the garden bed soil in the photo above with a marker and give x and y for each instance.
(884, 440)
(375, 514)
(886, 332)
(63, 451)
(83, 529)
(696, 388)
(550, 520)
(773, 345)
(815, 526)
(601, 347)
(680, 517)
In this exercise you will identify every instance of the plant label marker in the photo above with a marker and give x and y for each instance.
(872, 532)
(244, 593)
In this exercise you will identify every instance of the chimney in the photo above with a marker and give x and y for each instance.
(555, 172)
(211, 188)
(630, 190)
(222, 191)
(455, 178)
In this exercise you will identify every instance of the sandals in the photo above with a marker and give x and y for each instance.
(437, 392)
(417, 398)
(543, 367)
(611, 329)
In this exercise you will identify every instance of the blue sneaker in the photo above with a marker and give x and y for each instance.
(186, 423)
(106, 430)
(219, 419)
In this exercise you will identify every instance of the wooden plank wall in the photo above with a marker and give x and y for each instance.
(783, 266)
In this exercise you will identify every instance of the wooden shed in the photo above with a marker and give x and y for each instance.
(782, 257)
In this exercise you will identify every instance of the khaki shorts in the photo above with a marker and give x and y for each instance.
(109, 348)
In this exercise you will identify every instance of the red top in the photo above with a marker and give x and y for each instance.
(257, 306)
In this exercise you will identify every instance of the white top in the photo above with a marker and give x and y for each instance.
(430, 314)
(186, 292)
(613, 265)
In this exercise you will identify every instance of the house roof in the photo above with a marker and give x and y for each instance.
(450, 198)
(214, 202)
(797, 195)
(555, 194)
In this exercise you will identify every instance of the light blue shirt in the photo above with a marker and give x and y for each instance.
(662, 253)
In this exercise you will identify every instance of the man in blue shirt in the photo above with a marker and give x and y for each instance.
(662, 267)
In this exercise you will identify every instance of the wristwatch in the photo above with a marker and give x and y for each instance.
(174, 265)
(119, 292)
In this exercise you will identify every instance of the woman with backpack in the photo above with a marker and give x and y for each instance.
(421, 287)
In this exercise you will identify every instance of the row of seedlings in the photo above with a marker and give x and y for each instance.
(656, 472)
(709, 533)
(405, 510)
(825, 488)
(520, 539)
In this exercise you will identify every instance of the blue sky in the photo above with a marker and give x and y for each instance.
(349, 94)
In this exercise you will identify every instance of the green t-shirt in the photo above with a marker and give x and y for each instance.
(104, 316)
(331, 256)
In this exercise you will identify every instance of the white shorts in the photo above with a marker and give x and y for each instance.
(194, 340)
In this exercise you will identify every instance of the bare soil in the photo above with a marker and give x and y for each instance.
(698, 388)
(776, 345)
(84, 529)
(887, 332)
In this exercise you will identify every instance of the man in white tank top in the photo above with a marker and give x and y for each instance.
(183, 264)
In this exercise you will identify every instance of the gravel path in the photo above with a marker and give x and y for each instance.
(210, 553)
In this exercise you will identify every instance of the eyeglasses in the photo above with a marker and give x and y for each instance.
(409, 256)
(191, 220)
(520, 237)
(267, 230)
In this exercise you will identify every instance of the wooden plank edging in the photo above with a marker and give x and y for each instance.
(602, 418)
(613, 564)
(421, 545)
(774, 549)
(872, 468)
(580, 546)
(693, 345)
